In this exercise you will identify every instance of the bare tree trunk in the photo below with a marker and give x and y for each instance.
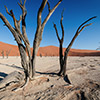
(23, 56)
(2, 53)
(63, 59)
(39, 31)
(8, 52)
(28, 62)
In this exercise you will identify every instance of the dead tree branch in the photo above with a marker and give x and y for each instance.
(48, 6)
(63, 59)
(50, 13)
(57, 33)
(20, 35)
(8, 52)
(80, 29)
(40, 28)
(2, 53)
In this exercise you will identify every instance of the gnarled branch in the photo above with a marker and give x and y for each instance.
(48, 6)
(50, 13)
(24, 13)
(16, 23)
(8, 11)
(62, 39)
(40, 12)
(10, 28)
(57, 32)
(80, 28)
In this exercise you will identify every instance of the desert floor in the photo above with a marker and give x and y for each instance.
(82, 72)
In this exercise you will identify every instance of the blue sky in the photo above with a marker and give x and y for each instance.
(76, 12)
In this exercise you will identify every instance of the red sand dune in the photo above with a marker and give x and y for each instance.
(47, 51)
(8, 47)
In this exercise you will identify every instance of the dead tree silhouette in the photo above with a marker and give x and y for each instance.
(8, 52)
(2, 53)
(21, 36)
(63, 58)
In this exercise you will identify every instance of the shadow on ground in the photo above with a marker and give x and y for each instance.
(13, 66)
(44, 73)
(66, 79)
(2, 74)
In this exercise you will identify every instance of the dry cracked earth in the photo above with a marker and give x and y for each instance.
(82, 81)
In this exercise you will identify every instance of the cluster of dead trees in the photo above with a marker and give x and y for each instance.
(20, 35)
(7, 52)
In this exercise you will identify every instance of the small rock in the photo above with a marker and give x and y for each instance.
(92, 65)
(52, 86)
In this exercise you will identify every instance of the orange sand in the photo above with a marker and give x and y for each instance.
(47, 51)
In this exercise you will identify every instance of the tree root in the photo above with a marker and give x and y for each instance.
(22, 86)
(8, 84)
(13, 79)
(25, 84)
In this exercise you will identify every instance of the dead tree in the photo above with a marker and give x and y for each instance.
(40, 55)
(8, 52)
(63, 58)
(21, 36)
(2, 53)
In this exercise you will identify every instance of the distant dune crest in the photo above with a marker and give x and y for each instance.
(47, 51)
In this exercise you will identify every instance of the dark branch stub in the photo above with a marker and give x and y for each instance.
(48, 6)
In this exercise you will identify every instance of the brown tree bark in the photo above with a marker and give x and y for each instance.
(28, 63)
(8, 52)
(2, 53)
(63, 58)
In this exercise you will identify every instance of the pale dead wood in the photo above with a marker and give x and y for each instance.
(48, 6)
(63, 59)
(40, 28)
(16, 24)
(8, 52)
(50, 13)
(57, 32)
(2, 53)
(10, 28)
(24, 13)
(80, 29)
(62, 39)
(28, 63)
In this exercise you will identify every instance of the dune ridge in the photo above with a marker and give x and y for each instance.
(47, 51)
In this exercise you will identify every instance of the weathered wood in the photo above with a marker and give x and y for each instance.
(39, 31)
(2, 53)
(10, 28)
(80, 29)
(20, 35)
(63, 58)
(50, 13)
(8, 52)
(14, 77)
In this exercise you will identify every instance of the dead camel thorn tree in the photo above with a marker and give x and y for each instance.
(21, 36)
(63, 58)
(8, 52)
(2, 53)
